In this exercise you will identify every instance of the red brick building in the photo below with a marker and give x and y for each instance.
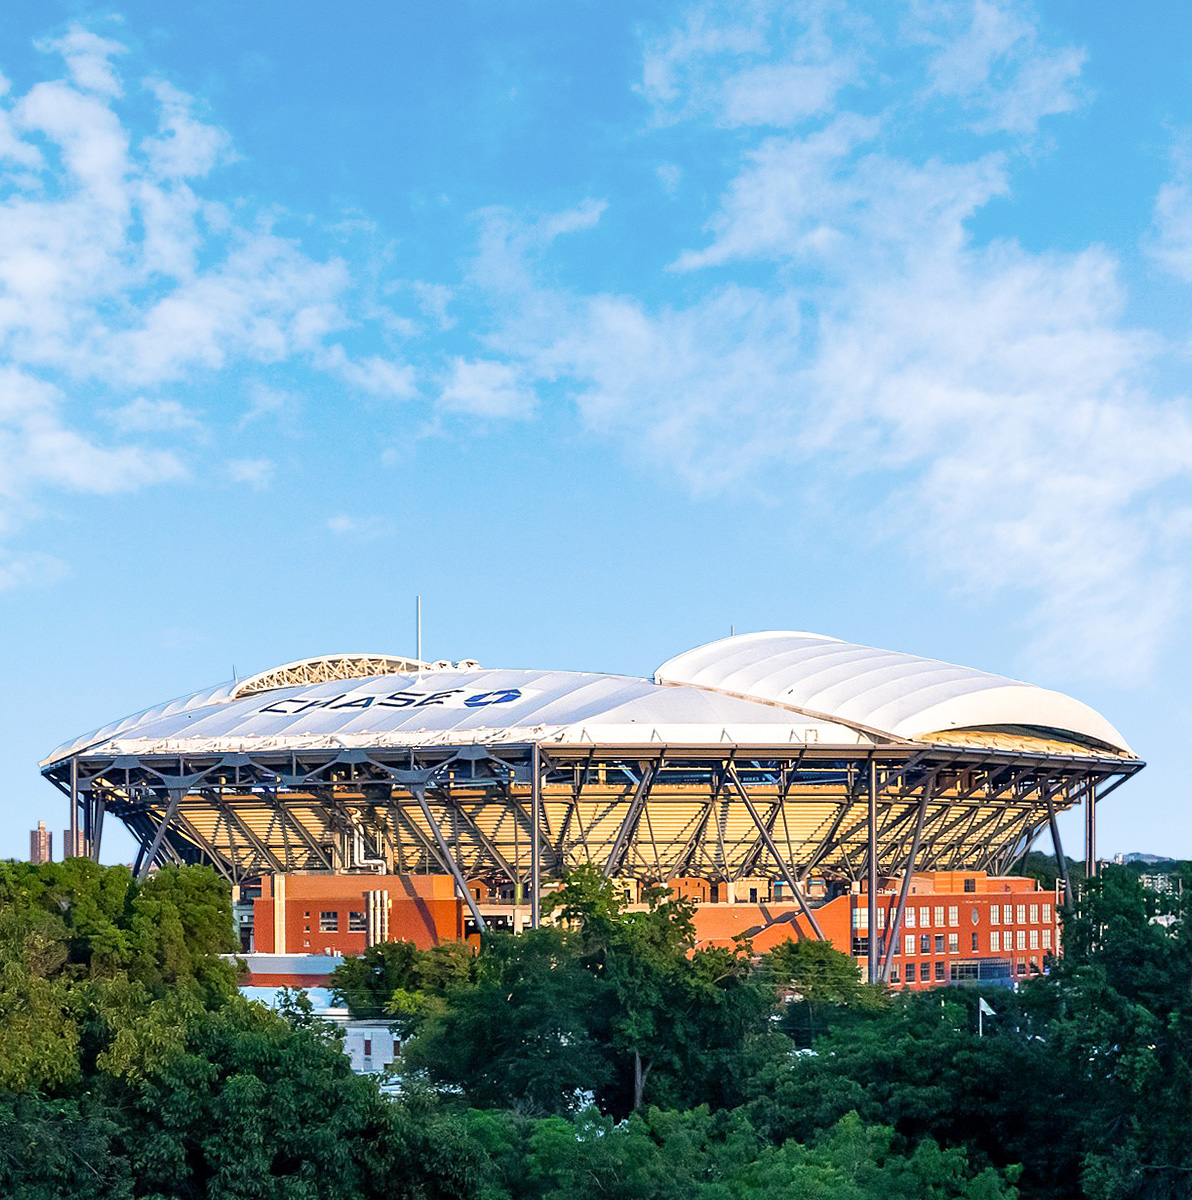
(344, 914)
(958, 927)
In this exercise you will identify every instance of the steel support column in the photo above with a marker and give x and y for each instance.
(176, 795)
(1090, 830)
(787, 874)
(97, 824)
(535, 847)
(73, 826)
(872, 873)
(460, 882)
(640, 795)
(1061, 861)
(908, 875)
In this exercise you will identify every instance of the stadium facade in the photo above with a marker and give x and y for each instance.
(791, 772)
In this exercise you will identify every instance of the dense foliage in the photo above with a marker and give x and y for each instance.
(601, 1055)
(131, 1067)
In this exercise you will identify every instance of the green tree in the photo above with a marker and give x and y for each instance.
(526, 1034)
(817, 981)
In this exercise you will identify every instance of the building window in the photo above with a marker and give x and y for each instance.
(953, 943)
(1034, 939)
(357, 923)
(970, 885)
(975, 916)
(1046, 914)
(939, 943)
(860, 917)
(909, 943)
(924, 943)
(995, 942)
(995, 914)
(753, 895)
(925, 918)
(1021, 914)
(939, 916)
(953, 915)
(976, 947)
(939, 971)
(329, 922)
(1021, 968)
(1034, 914)
(1046, 939)
(860, 947)
(894, 973)
(910, 972)
(965, 970)
(1021, 939)
(909, 919)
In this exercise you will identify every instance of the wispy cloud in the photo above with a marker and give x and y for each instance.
(484, 388)
(257, 473)
(361, 529)
(844, 323)
(118, 275)
(142, 415)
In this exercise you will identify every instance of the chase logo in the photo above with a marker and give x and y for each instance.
(452, 698)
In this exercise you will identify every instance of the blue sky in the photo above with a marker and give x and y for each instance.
(604, 328)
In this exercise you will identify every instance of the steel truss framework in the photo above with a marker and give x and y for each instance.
(523, 814)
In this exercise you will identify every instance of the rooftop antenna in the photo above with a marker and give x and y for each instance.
(418, 629)
(732, 631)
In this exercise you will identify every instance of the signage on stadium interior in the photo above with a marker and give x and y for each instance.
(451, 698)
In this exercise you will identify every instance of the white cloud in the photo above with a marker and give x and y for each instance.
(29, 570)
(1170, 241)
(988, 54)
(152, 416)
(266, 401)
(670, 175)
(184, 147)
(257, 473)
(485, 388)
(38, 451)
(760, 63)
(363, 529)
(433, 299)
(372, 374)
(87, 56)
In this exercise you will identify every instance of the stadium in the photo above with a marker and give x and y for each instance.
(801, 767)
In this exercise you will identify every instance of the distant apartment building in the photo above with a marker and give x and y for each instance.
(41, 844)
(1165, 885)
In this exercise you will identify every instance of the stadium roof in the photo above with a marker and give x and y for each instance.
(759, 689)
(883, 691)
